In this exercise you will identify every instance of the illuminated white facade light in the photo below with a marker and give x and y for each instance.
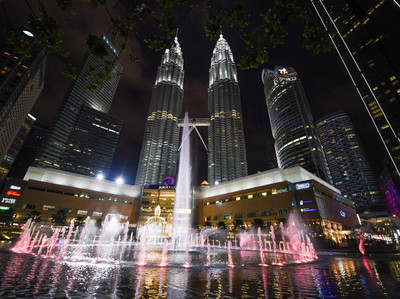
(100, 176)
(119, 180)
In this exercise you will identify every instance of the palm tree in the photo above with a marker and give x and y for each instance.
(207, 223)
(221, 224)
(79, 220)
(257, 222)
(60, 217)
(35, 215)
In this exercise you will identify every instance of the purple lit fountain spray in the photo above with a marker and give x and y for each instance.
(183, 196)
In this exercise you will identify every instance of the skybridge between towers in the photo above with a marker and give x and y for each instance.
(193, 124)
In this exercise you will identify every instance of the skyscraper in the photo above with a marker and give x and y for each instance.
(21, 81)
(365, 35)
(296, 138)
(227, 152)
(8, 160)
(80, 102)
(348, 164)
(159, 154)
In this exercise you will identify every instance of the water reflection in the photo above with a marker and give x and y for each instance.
(330, 277)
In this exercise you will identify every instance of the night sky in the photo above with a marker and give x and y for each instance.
(326, 83)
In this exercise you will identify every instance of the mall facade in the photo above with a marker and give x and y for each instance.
(270, 196)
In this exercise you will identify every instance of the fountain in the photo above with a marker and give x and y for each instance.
(183, 196)
(211, 247)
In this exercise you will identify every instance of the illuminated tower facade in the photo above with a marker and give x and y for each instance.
(159, 154)
(366, 34)
(347, 161)
(296, 139)
(84, 112)
(227, 151)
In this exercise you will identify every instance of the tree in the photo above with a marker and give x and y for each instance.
(79, 221)
(221, 224)
(257, 222)
(7, 216)
(156, 22)
(60, 217)
(237, 223)
(207, 223)
(35, 215)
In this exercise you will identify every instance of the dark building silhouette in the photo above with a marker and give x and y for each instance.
(21, 81)
(15, 148)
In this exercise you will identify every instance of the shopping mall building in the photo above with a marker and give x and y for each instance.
(270, 196)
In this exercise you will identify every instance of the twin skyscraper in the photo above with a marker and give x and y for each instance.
(226, 145)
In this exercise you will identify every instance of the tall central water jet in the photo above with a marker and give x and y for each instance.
(183, 194)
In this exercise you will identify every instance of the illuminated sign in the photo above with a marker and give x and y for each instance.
(169, 181)
(342, 213)
(302, 186)
(302, 202)
(13, 193)
(8, 200)
(308, 210)
(3, 208)
(283, 71)
(13, 187)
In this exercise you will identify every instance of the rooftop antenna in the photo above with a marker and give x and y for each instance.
(176, 34)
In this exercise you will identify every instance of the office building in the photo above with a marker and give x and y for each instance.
(296, 138)
(347, 161)
(80, 102)
(21, 81)
(159, 154)
(29, 151)
(15, 148)
(227, 151)
(365, 35)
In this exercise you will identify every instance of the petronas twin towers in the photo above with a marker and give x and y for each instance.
(226, 145)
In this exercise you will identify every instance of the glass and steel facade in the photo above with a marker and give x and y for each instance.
(159, 154)
(348, 164)
(366, 37)
(296, 139)
(21, 81)
(61, 139)
(227, 152)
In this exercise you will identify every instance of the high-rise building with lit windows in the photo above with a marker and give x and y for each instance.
(159, 154)
(347, 161)
(296, 138)
(366, 34)
(14, 150)
(227, 152)
(21, 81)
(70, 144)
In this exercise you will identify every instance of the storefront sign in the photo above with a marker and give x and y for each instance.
(8, 200)
(308, 210)
(302, 186)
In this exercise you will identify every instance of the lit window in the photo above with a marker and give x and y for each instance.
(82, 212)
(48, 208)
